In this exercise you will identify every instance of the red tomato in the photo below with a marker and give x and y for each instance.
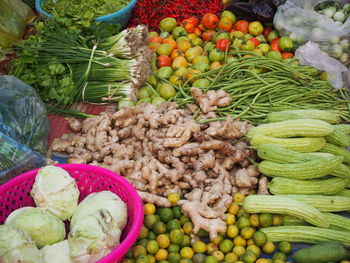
(208, 35)
(194, 20)
(188, 26)
(255, 41)
(266, 32)
(242, 25)
(210, 21)
(163, 61)
(156, 39)
(222, 44)
(287, 55)
(274, 45)
(197, 31)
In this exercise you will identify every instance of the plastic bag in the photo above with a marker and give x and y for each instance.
(262, 10)
(298, 19)
(23, 115)
(14, 16)
(311, 55)
(16, 159)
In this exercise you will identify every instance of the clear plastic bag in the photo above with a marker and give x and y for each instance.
(14, 16)
(23, 115)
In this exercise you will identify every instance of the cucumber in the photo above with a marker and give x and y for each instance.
(321, 253)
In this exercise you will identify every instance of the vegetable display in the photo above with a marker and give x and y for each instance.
(94, 233)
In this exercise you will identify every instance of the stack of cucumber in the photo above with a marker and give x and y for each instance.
(304, 152)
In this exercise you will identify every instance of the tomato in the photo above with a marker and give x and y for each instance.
(286, 55)
(216, 55)
(209, 46)
(238, 34)
(156, 39)
(182, 38)
(255, 41)
(242, 25)
(188, 26)
(191, 73)
(196, 41)
(230, 15)
(201, 83)
(215, 65)
(202, 67)
(248, 45)
(264, 48)
(274, 55)
(158, 100)
(191, 36)
(163, 61)
(167, 24)
(179, 62)
(194, 20)
(191, 53)
(165, 72)
(272, 35)
(221, 36)
(247, 36)
(261, 38)
(197, 31)
(170, 41)
(152, 34)
(255, 28)
(208, 35)
(167, 91)
(266, 32)
(210, 21)
(178, 31)
(181, 71)
(154, 46)
(223, 44)
(201, 59)
(183, 45)
(237, 43)
(285, 43)
(144, 92)
(274, 45)
(176, 80)
(175, 53)
(258, 52)
(164, 34)
(225, 24)
(164, 49)
(199, 49)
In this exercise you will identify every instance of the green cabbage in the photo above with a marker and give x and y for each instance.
(102, 200)
(43, 227)
(56, 191)
(57, 253)
(93, 237)
(16, 246)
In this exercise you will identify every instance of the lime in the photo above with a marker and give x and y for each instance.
(231, 257)
(265, 220)
(167, 24)
(238, 250)
(165, 214)
(163, 240)
(129, 253)
(164, 261)
(143, 233)
(173, 248)
(233, 209)
(255, 249)
(174, 257)
(254, 220)
(186, 252)
(173, 224)
(185, 260)
(219, 255)
(142, 242)
(159, 228)
(232, 231)
(176, 236)
(230, 219)
(177, 211)
(243, 222)
(279, 256)
(142, 259)
(260, 238)
(211, 259)
(226, 246)
(198, 258)
(184, 219)
(151, 258)
(217, 240)
(238, 197)
(139, 251)
(203, 233)
(199, 246)
(152, 247)
(128, 260)
(173, 197)
(277, 220)
(188, 227)
(247, 232)
(211, 248)
(186, 242)
(242, 213)
(161, 254)
(150, 220)
(167, 91)
(248, 257)
(151, 236)
(285, 247)
(269, 247)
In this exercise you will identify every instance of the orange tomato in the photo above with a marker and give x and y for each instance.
(192, 73)
(179, 62)
(189, 27)
(163, 61)
(210, 21)
(175, 53)
(287, 55)
(215, 65)
(156, 39)
(170, 41)
(208, 35)
(194, 20)
(242, 25)
(153, 46)
(183, 45)
(201, 27)
(225, 24)
(197, 31)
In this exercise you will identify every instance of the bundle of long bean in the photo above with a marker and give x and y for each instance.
(279, 87)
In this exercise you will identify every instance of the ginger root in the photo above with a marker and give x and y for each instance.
(210, 100)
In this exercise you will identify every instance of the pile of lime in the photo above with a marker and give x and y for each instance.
(167, 237)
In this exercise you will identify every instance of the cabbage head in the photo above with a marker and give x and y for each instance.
(43, 227)
(17, 246)
(93, 237)
(102, 200)
(55, 191)
(57, 253)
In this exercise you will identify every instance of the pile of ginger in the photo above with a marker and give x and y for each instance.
(163, 150)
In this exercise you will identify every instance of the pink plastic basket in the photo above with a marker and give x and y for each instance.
(15, 194)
